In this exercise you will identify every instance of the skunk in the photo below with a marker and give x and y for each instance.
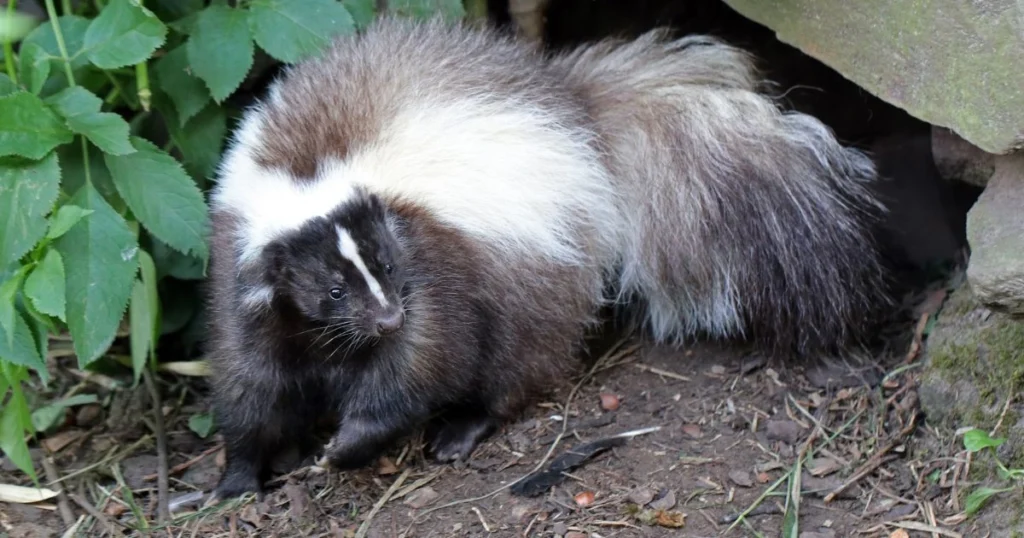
(418, 226)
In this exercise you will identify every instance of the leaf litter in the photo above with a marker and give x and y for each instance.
(738, 446)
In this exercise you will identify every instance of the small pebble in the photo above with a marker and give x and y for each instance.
(692, 430)
(666, 502)
(641, 496)
(741, 478)
(584, 498)
(609, 402)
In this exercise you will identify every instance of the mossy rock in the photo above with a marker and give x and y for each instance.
(974, 362)
(952, 63)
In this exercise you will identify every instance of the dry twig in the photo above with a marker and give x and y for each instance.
(365, 526)
(63, 506)
(876, 460)
(163, 497)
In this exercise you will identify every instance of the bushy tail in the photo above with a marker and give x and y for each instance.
(744, 220)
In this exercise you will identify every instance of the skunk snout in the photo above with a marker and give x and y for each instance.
(389, 322)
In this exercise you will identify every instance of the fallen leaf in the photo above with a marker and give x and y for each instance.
(718, 369)
(200, 368)
(692, 430)
(297, 498)
(899, 533)
(386, 467)
(662, 518)
(11, 493)
(823, 466)
(57, 442)
(584, 498)
(762, 478)
(609, 402)
(422, 497)
(575, 534)
(115, 509)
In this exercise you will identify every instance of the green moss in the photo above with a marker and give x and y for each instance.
(975, 361)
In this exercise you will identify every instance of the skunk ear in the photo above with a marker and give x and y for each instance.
(275, 262)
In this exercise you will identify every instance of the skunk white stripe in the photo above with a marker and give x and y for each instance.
(350, 251)
(487, 168)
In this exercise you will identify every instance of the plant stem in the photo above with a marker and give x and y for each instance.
(65, 7)
(9, 46)
(142, 85)
(51, 12)
(85, 160)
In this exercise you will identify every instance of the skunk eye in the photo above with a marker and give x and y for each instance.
(336, 293)
(388, 268)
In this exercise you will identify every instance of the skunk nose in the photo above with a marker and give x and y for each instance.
(390, 321)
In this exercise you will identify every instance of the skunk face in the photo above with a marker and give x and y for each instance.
(343, 271)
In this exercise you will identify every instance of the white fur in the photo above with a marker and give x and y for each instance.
(508, 175)
(270, 201)
(350, 251)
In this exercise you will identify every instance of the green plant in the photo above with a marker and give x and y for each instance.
(975, 441)
(112, 119)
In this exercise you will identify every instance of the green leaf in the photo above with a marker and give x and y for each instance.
(362, 11)
(292, 31)
(35, 66)
(72, 29)
(14, 423)
(64, 219)
(75, 169)
(201, 424)
(162, 196)
(201, 141)
(976, 500)
(81, 111)
(187, 92)
(50, 415)
(124, 33)
(7, 86)
(28, 191)
(425, 9)
(220, 49)
(143, 315)
(8, 296)
(100, 259)
(28, 127)
(170, 262)
(22, 349)
(975, 440)
(45, 285)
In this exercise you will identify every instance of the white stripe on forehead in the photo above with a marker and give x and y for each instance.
(350, 251)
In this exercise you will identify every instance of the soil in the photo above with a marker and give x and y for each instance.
(730, 425)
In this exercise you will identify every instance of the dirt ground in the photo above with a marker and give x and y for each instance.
(732, 428)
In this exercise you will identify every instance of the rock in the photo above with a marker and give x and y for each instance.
(641, 496)
(973, 361)
(787, 431)
(958, 159)
(88, 415)
(665, 502)
(741, 478)
(951, 63)
(995, 231)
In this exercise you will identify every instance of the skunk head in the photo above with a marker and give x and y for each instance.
(343, 271)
